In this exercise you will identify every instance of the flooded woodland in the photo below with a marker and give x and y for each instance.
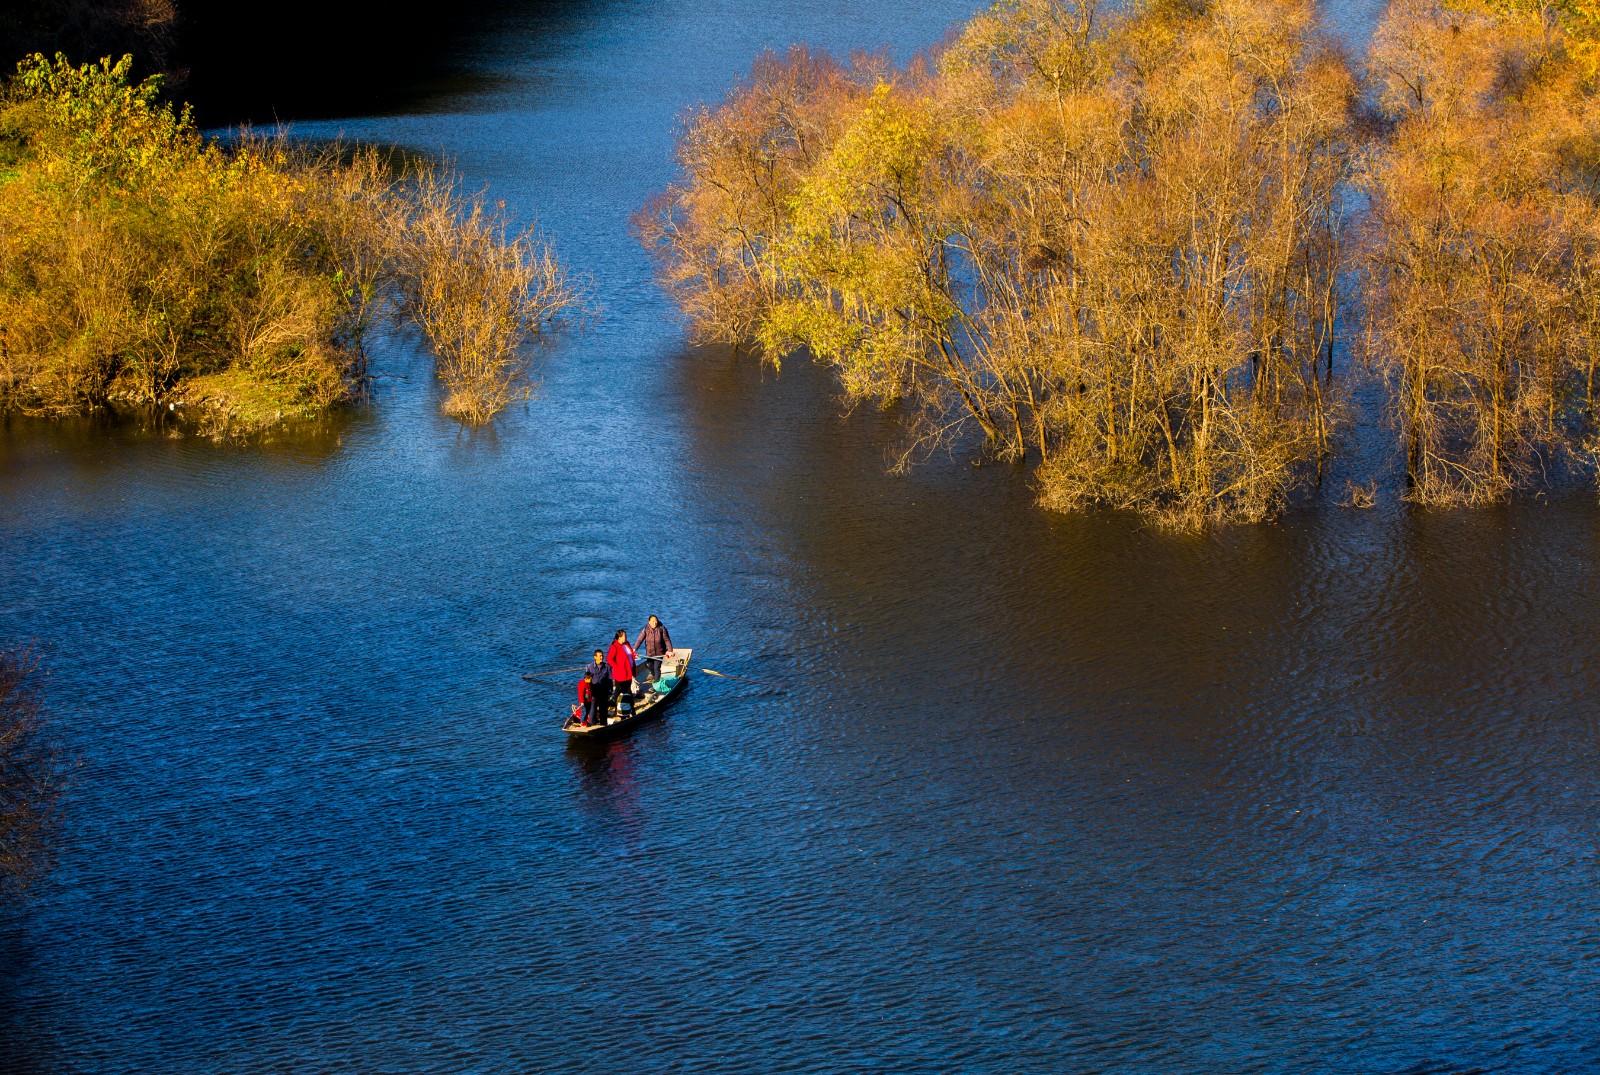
(1032, 789)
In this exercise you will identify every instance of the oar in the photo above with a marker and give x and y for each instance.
(557, 672)
(742, 679)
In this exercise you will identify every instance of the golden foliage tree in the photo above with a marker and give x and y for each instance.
(1108, 240)
(1480, 252)
(479, 294)
(142, 263)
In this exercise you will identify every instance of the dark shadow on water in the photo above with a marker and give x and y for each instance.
(103, 433)
(26, 1048)
(306, 59)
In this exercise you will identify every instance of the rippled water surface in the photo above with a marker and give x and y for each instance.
(1047, 794)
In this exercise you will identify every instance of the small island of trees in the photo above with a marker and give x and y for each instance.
(1122, 242)
(141, 263)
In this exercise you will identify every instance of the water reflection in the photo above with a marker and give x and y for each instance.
(108, 435)
(607, 781)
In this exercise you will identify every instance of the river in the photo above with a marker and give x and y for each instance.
(1044, 793)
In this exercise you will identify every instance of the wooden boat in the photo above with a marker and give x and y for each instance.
(647, 705)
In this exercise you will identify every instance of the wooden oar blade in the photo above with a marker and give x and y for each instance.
(744, 679)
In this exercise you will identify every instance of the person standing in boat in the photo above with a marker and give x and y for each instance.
(586, 698)
(654, 643)
(599, 674)
(620, 658)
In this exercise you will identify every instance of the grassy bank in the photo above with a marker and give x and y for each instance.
(141, 264)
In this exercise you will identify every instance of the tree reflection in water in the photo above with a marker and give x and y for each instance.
(31, 777)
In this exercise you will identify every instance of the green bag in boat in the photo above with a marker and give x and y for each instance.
(665, 684)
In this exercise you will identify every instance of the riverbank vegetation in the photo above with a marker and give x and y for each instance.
(1482, 246)
(141, 263)
(149, 29)
(1108, 240)
(1120, 242)
(32, 775)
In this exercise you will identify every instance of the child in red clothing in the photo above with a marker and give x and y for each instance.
(585, 710)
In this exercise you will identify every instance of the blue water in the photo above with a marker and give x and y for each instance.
(1045, 793)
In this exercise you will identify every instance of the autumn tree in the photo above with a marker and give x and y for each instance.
(1107, 240)
(1481, 245)
(743, 163)
(481, 293)
(141, 263)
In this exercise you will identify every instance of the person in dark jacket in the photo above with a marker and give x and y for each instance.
(654, 643)
(600, 676)
(620, 659)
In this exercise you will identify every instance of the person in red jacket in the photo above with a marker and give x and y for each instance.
(586, 699)
(620, 659)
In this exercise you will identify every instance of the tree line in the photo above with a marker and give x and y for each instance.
(1121, 243)
(143, 263)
